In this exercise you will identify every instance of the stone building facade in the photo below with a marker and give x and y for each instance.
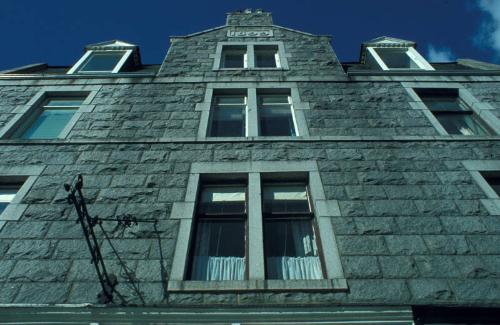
(402, 187)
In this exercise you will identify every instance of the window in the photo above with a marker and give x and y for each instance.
(50, 119)
(262, 224)
(290, 246)
(276, 115)
(493, 180)
(218, 251)
(250, 55)
(234, 57)
(451, 112)
(101, 61)
(266, 56)
(247, 111)
(396, 58)
(228, 116)
(8, 191)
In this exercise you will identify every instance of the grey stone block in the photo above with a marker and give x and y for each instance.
(402, 267)
(18, 229)
(361, 245)
(437, 266)
(447, 245)
(40, 271)
(42, 293)
(30, 249)
(361, 267)
(375, 225)
(406, 245)
(430, 290)
(378, 291)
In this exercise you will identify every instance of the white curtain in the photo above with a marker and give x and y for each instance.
(218, 268)
(295, 268)
(207, 264)
(305, 264)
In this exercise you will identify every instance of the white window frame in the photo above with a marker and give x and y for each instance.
(23, 113)
(280, 56)
(76, 67)
(324, 210)
(251, 116)
(419, 60)
(28, 175)
(482, 110)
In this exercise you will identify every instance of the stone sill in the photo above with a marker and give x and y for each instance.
(258, 285)
(250, 69)
(444, 138)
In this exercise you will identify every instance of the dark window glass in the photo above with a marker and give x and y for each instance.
(266, 56)
(275, 116)
(290, 246)
(451, 112)
(227, 117)
(218, 251)
(102, 61)
(50, 120)
(493, 180)
(233, 57)
(396, 58)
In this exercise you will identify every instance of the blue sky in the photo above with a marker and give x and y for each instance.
(55, 31)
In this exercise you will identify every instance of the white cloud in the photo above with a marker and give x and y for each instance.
(489, 34)
(435, 54)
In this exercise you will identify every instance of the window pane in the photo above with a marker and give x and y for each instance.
(290, 250)
(65, 102)
(396, 58)
(459, 123)
(227, 122)
(49, 124)
(494, 182)
(230, 100)
(276, 121)
(265, 56)
(3, 206)
(273, 99)
(283, 199)
(102, 61)
(223, 200)
(7, 194)
(233, 57)
(219, 251)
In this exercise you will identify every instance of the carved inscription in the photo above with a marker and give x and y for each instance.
(250, 33)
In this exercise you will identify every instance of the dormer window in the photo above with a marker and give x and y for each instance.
(386, 53)
(102, 61)
(106, 58)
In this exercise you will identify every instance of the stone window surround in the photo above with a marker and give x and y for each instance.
(23, 112)
(251, 115)
(88, 53)
(323, 210)
(15, 209)
(415, 57)
(250, 55)
(475, 167)
(483, 110)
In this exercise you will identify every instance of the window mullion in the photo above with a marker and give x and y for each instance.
(252, 124)
(250, 57)
(255, 229)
